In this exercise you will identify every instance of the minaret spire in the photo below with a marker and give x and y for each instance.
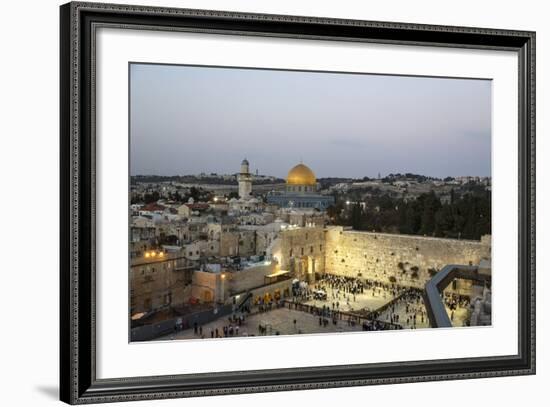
(245, 180)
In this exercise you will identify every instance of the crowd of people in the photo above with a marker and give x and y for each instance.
(376, 325)
(406, 305)
(232, 328)
(346, 290)
(343, 284)
(407, 310)
(404, 309)
(455, 302)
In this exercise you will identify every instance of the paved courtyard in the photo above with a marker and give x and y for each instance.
(279, 320)
(408, 311)
(369, 300)
(415, 318)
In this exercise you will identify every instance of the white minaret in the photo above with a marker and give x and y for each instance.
(245, 181)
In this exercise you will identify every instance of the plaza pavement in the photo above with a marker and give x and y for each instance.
(459, 320)
(280, 319)
(401, 309)
(367, 300)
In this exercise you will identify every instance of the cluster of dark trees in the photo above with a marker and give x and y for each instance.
(409, 176)
(465, 217)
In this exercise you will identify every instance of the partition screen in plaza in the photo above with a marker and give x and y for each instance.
(279, 202)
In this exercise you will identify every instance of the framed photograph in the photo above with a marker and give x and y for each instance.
(255, 203)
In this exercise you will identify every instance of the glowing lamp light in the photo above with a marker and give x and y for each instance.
(161, 254)
(147, 254)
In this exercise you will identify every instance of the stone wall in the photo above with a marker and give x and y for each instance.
(238, 243)
(158, 283)
(251, 277)
(264, 239)
(207, 286)
(411, 260)
(302, 251)
(200, 248)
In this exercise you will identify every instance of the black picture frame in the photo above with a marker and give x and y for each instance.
(78, 382)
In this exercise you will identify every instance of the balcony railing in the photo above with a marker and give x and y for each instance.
(435, 306)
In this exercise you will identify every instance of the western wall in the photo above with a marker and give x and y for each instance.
(411, 260)
(405, 259)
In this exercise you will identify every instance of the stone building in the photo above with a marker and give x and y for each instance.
(304, 217)
(301, 251)
(159, 280)
(142, 236)
(237, 242)
(190, 209)
(208, 287)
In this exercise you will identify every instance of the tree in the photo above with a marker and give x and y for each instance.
(332, 211)
(431, 204)
(356, 218)
(194, 193)
(411, 221)
(467, 216)
(152, 197)
(443, 221)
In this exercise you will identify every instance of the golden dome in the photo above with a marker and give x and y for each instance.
(301, 175)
